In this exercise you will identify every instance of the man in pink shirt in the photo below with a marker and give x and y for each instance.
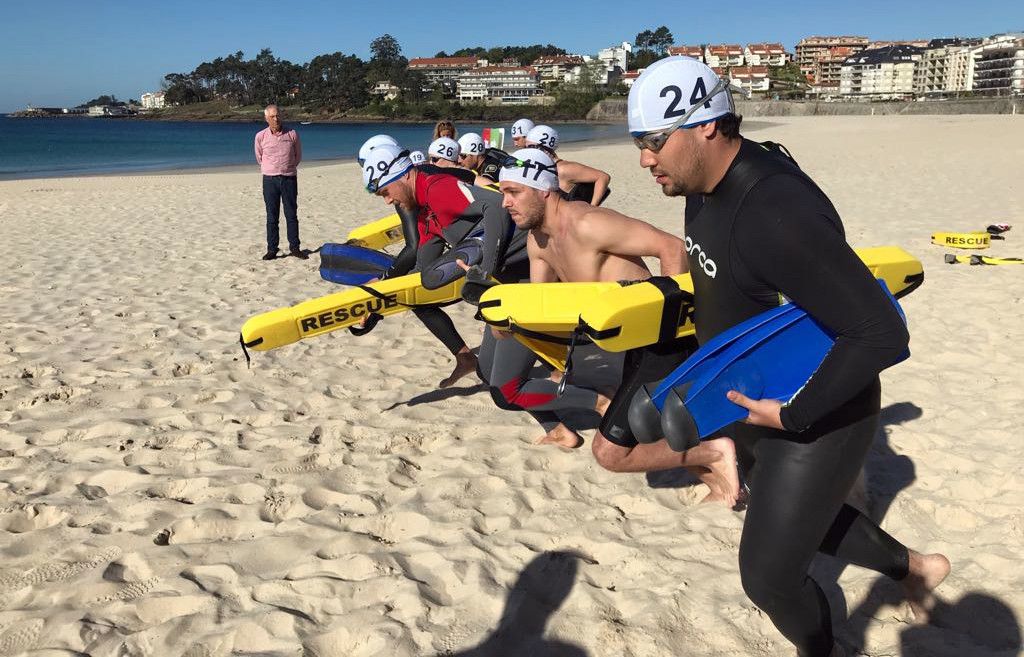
(278, 152)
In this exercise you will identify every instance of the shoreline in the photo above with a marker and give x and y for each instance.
(239, 167)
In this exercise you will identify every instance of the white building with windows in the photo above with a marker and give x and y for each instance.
(615, 56)
(505, 85)
(554, 68)
(765, 54)
(152, 100)
(752, 79)
(880, 74)
(724, 55)
(440, 71)
(945, 67)
(999, 66)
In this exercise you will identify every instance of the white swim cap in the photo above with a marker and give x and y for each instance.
(669, 88)
(385, 165)
(521, 128)
(544, 135)
(372, 143)
(472, 144)
(531, 167)
(445, 148)
(417, 157)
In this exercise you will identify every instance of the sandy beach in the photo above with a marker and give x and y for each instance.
(159, 497)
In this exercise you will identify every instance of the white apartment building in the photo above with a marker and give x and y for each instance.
(724, 55)
(152, 100)
(880, 74)
(507, 85)
(946, 66)
(999, 66)
(555, 68)
(615, 56)
(752, 79)
(696, 52)
(765, 54)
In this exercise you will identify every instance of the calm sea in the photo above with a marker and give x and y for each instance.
(35, 148)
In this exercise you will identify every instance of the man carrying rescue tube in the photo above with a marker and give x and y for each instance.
(759, 229)
(575, 242)
(448, 211)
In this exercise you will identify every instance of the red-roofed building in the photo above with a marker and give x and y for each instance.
(810, 48)
(442, 70)
(724, 55)
(765, 54)
(503, 85)
(554, 68)
(690, 51)
(752, 79)
(629, 77)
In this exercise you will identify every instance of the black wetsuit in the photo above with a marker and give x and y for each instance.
(494, 158)
(766, 231)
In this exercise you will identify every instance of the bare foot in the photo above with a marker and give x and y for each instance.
(604, 400)
(719, 470)
(465, 363)
(556, 376)
(562, 436)
(927, 571)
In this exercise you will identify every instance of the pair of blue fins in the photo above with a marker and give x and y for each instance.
(770, 356)
(348, 264)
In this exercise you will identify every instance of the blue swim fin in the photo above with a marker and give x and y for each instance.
(348, 264)
(768, 359)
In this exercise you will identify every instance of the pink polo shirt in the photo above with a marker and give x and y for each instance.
(280, 154)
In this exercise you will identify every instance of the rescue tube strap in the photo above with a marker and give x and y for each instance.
(953, 259)
(913, 281)
(383, 297)
(975, 240)
(673, 306)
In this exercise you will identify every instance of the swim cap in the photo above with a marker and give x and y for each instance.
(385, 165)
(544, 135)
(521, 127)
(531, 167)
(372, 143)
(417, 157)
(445, 148)
(668, 88)
(472, 144)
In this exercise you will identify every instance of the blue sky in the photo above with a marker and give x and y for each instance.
(60, 53)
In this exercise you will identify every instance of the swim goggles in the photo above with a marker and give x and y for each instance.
(512, 162)
(375, 183)
(655, 140)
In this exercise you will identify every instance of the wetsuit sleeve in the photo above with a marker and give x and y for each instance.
(791, 241)
(406, 258)
(479, 208)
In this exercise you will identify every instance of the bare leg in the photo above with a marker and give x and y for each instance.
(465, 363)
(927, 571)
(563, 436)
(713, 462)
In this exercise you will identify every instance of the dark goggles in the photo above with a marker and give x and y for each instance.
(655, 140)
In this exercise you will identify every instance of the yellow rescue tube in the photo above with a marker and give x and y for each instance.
(378, 234)
(283, 326)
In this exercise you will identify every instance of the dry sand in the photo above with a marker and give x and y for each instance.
(159, 498)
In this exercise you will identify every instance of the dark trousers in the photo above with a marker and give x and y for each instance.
(278, 190)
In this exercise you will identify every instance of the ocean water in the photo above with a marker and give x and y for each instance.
(36, 148)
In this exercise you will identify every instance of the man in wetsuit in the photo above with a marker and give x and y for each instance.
(447, 211)
(475, 155)
(758, 229)
(574, 242)
(580, 182)
(433, 317)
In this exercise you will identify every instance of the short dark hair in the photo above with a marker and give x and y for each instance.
(729, 125)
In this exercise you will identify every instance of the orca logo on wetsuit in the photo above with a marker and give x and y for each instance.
(706, 263)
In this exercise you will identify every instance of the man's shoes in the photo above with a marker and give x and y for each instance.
(270, 255)
(300, 254)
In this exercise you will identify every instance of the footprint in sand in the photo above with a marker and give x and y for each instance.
(210, 526)
(31, 517)
(20, 637)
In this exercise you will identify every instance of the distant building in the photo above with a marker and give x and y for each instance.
(440, 71)
(880, 74)
(153, 100)
(615, 56)
(629, 77)
(724, 55)
(385, 90)
(752, 79)
(946, 67)
(917, 43)
(999, 66)
(765, 54)
(555, 68)
(505, 85)
(828, 68)
(810, 48)
(697, 52)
